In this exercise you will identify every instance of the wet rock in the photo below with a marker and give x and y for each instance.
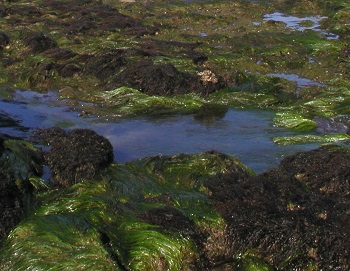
(338, 124)
(164, 80)
(295, 215)
(76, 155)
(38, 42)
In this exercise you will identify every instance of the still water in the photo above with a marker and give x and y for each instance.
(244, 134)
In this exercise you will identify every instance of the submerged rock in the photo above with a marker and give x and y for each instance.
(338, 124)
(76, 155)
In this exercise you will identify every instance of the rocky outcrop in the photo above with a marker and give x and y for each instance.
(75, 155)
(166, 80)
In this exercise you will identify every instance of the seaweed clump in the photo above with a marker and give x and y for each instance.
(75, 155)
(294, 217)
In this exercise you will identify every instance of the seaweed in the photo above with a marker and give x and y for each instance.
(76, 155)
(204, 211)
(134, 216)
(301, 220)
(218, 53)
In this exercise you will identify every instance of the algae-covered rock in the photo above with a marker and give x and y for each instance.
(38, 42)
(149, 214)
(204, 211)
(19, 162)
(76, 155)
(293, 217)
(166, 80)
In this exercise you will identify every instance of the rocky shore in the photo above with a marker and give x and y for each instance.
(205, 211)
(67, 205)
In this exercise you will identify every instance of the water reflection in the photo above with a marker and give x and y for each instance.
(245, 134)
(301, 23)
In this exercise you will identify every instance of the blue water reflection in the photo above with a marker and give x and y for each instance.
(245, 134)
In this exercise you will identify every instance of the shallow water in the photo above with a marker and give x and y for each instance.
(245, 134)
(300, 81)
(298, 23)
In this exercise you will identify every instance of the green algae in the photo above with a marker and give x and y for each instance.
(304, 139)
(161, 213)
(128, 101)
(99, 220)
(55, 242)
(295, 122)
(152, 250)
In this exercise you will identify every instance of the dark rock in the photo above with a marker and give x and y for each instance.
(209, 113)
(165, 80)
(294, 215)
(324, 170)
(2, 148)
(338, 124)
(198, 58)
(76, 155)
(7, 121)
(3, 11)
(139, 31)
(38, 42)
(67, 70)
